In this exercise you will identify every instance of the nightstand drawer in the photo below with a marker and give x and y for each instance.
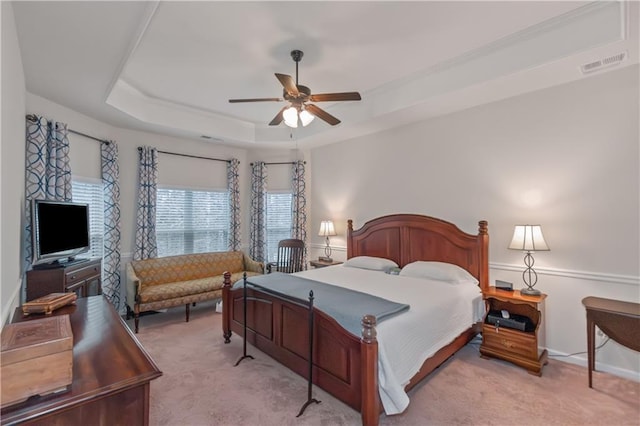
(506, 340)
(82, 274)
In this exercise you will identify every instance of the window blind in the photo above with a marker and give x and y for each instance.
(91, 193)
(191, 221)
(279, 217)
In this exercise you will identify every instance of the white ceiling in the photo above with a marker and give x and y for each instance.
(170, 67)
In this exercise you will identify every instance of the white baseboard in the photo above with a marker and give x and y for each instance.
(581, 360)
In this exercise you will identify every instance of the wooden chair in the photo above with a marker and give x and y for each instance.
(290, 257)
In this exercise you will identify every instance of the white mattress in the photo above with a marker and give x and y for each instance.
(439, 312)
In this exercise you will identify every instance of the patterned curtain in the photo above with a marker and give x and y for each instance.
(47, 169)
(299, 205)
(146, 246)
(258, 211)
(111, 252)
(233, 182)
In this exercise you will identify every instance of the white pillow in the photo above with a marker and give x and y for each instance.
(369, 262)
(439, 271)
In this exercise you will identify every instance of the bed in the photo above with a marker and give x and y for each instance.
(346, 364)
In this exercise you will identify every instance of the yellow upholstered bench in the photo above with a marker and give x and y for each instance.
(165, 282)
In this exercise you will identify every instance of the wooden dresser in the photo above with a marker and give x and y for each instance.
(111, 373)
(81, 277)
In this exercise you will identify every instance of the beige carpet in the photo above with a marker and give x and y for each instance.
(200, 386)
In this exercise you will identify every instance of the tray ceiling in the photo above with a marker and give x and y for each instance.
(170, 67)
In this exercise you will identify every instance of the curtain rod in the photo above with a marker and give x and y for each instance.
(283, 162)
(189, 155)
(33, 118)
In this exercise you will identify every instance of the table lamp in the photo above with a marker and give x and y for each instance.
(528, 238)
(327, 229)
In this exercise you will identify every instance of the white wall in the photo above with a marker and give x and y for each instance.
(11, 165)
(565, 157)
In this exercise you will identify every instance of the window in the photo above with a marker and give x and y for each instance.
(191, 221)
(279, 216)
(90, 192)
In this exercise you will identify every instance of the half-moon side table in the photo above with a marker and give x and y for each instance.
(617, 319)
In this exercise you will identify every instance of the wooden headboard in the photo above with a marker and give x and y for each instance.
(406, 238)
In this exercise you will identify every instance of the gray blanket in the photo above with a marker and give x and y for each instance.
(346, 306)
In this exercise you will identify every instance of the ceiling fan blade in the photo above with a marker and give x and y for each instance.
(320, 113)
(278, 118)
(233, 101)
(327, 97)
(288, 83)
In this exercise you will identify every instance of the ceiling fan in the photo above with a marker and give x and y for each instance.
(299, 96)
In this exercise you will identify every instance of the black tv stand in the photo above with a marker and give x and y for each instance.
(82, 276)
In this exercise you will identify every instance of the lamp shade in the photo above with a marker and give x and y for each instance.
(528, 238)
(326, 229)
(290, 116)
(306, 117)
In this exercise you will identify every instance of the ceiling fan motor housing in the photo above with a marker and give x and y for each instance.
(298, 96)
(303, 94)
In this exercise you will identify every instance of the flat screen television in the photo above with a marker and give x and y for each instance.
(60, 231)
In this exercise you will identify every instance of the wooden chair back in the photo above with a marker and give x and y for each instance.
(290, 256)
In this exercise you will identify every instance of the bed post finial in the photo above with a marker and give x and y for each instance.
(369, 333)
(483, 227)
(350, 225)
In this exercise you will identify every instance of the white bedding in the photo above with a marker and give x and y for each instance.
(439, 312)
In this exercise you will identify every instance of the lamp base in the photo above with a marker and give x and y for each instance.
(325, 259)
(530, 291)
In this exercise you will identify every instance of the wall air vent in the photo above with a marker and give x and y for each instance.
(603, 63)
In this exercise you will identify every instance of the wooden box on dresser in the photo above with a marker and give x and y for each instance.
(519, 347)
(81, 277)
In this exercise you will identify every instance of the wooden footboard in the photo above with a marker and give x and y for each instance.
(345, 366)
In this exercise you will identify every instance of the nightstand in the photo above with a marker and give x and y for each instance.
(317, 263)
(510, 344)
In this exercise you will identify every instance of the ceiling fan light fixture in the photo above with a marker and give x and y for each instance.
(298, 95)
(306, 117)
(290, 116)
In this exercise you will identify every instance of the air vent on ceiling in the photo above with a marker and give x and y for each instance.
(603, 63)
(211, 138)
